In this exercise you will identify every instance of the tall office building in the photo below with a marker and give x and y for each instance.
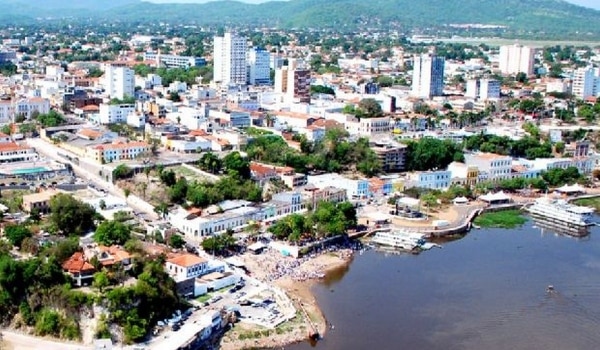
(483, 89)
(428, 76)
(516, 59)
(259, 70)
(230, 65)
(584, 83)
(118, 81)
(293, 82)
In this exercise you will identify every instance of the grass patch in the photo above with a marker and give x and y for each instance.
(501, 219)
(204, 298)
(589, 202)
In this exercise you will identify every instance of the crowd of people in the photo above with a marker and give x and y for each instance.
(275, 266)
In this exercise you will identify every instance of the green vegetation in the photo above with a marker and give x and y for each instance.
(219, 244)
(429, 153)
(50, 119)
(112, 232)
(137, 308)
(501, 219)
(332, 154)
(38, 290)
(327, 220)
(320, 89)
(71, 216)
(176, 241)
(526, 147)
(16, 234)
(127, 100)
(367, 108)
(589, 202)
(236, 184)
(122, 171)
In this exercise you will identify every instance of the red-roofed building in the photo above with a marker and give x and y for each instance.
(81, 271)
(186, 266)
(262, 173)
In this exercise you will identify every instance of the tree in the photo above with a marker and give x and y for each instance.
(30, 245)
(320, 89)
(126, 192)
(176, 241)
(237, 165)
(71, 216)
(50, 119)
(102, 204)
(429, 199)
(101, 281)
(143, 187)
(112, 232)
(174, 96)
(210, 162)
(369, 108)
(559, 147)
(168, 178)
(16, 234)
(122, 171)
(521, 77)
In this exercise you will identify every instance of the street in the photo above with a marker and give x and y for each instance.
(26, 342)
(91, 174)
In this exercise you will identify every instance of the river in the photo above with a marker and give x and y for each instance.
(486, 290)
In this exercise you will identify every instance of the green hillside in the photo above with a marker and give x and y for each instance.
(553, 18)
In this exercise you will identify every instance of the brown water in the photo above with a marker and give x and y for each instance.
(484, 291)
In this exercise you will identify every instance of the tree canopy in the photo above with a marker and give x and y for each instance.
(112, 232)
(71, 216)
(429, 154)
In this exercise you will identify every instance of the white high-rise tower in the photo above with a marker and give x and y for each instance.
(230, 65)
(119, 81)
(428, 76)
(515, 59)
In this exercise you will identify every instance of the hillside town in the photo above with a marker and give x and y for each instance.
(159, 192)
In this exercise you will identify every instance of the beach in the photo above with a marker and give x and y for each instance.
(297, 284)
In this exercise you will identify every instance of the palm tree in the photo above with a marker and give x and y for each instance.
(269, 120)
(143, 187)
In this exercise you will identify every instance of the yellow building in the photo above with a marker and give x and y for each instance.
(107, 153)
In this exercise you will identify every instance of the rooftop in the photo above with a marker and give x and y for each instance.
(187, 260)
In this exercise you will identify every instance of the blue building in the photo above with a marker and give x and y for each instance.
(439, 179)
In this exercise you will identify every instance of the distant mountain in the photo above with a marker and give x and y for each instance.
(543, 17)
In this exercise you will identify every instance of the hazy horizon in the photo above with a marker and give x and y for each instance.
(594, 4)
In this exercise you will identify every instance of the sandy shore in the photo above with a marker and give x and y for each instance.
(298, 328)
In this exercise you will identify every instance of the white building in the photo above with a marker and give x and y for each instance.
(516, 59)
(428, 76)
(494, 166)
(230, 65)
(119, 82)
(174, 60)
(137, 120)
(369, 126)
(483, 89)
(191, 118)
(259, 70)
(584, 82)
(114, 113)
(186, 266)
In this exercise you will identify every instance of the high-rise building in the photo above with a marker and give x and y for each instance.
(584, 82)
(230, 65)
(516, 59)
(483, 89)
(119, 82)
(259, 70)
(293, 81)
(428, 76)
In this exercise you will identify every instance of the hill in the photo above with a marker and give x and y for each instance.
(552, 18)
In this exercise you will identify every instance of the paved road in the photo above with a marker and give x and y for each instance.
(88, 172)
(20, 341)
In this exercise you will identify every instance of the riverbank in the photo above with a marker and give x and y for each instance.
(248, 336)
(500, 219)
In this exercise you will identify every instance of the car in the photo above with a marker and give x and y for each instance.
(175, 327)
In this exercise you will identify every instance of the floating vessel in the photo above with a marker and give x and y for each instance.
(560, 211)
(404, 240)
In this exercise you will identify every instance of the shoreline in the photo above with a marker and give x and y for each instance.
(300, 293)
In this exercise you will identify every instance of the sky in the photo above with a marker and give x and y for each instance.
(588, 3)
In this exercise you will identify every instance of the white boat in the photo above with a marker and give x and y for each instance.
(558, 210)
(401, 240)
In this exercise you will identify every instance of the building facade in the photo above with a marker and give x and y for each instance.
(483, 89)
(516, 59)
(584, 83)
(230, 66)
(428, 76)
(107, 153)
(259, 70)
(110, 114)
(118, 82)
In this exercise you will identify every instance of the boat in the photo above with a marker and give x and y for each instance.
(561, 211)
(398, 239)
